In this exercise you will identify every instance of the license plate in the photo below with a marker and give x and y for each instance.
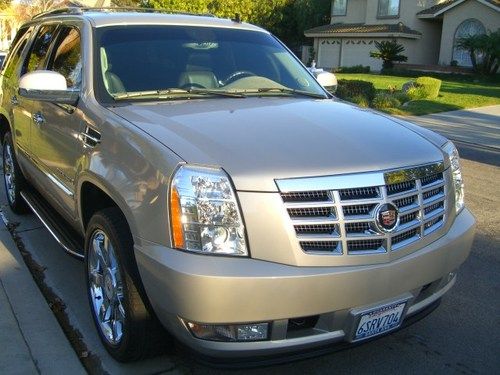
(380, 320)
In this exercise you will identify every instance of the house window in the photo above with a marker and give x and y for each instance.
(388, 8)
(339, 7)
(467, 28)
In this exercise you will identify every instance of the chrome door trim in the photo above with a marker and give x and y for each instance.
(59, 184)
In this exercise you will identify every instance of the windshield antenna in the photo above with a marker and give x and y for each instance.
(237, 18)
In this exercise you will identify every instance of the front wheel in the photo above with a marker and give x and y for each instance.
(13, 177)
(126, 328)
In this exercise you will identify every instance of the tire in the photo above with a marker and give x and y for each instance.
(13, 177)
(115, 291)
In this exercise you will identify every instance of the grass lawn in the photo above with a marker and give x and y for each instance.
(454, 94)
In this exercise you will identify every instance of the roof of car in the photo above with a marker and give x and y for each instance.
(101, 17)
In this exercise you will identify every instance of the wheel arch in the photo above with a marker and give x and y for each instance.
(94, 194)
(4, 126)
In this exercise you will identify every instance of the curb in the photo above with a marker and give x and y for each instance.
(35, 342)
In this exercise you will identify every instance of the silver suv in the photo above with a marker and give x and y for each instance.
(212, 185)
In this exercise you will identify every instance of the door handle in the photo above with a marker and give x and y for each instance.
(14, 100)
(38, 118)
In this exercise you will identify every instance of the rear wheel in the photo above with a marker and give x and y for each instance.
(13, 177)
(126, 327)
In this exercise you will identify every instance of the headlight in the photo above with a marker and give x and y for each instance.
(205, 216)
(458, 182)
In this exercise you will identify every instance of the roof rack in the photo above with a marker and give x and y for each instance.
(80, 10)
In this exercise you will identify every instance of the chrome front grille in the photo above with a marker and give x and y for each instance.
(342, 221)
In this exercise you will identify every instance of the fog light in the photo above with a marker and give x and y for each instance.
(230, 333)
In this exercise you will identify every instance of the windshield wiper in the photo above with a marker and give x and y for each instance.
(150, 93)
(286, 90)
(176, 92)
(229, 94)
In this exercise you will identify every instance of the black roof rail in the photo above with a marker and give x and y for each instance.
(68, 10)
(81, 10)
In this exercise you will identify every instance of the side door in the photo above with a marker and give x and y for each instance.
(55, 142)
(17, 108)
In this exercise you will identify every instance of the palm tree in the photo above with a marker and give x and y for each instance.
(484, 50)
(388, 52)
(471, 44)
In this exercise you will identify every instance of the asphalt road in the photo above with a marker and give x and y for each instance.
(461, 336)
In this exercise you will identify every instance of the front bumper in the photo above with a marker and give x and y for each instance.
(225, 290)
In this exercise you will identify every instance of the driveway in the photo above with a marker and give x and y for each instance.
(459, 337)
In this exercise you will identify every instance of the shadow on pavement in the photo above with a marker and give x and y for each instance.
(478, 153)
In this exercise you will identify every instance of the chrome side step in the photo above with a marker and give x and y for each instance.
(66, 236)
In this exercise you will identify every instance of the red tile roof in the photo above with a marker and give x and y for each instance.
(355, 28)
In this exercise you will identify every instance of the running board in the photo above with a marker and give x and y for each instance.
(63, 233)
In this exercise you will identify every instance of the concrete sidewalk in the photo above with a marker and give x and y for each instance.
(479, 126)
(31, 340)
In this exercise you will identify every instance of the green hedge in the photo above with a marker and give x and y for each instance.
(348, 89)
(430, 86)
(352, 69)
(422, 88)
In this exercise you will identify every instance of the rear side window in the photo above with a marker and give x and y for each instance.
(66, 58)
(16, 50)
(38, 54)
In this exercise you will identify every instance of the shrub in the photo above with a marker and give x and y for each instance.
(401, 96)
(429, 86)
(416, 93)
(422, 88)
(352, 69)
(352, 88)
(384, 100)
(359, 100)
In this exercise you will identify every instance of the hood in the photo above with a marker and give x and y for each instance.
(258, 140)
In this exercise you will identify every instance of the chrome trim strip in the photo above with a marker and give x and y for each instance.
(51, 231)
(315, 221)
(59, 184)
(358, 180)
(317, 204)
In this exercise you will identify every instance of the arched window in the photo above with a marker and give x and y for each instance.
(466, 28)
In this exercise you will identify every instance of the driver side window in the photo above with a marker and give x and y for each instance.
(66, 58)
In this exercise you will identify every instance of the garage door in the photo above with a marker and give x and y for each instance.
(357, 52)
(328, 53)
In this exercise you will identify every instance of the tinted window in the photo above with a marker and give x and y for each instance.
(38, 53)
(67, 56)
(16, 50)
(145, 58)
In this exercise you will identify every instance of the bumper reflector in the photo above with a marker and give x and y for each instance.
(230, 333)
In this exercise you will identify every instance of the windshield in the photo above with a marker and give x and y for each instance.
(169, 62)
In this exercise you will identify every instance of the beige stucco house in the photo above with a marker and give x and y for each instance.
(427, 29)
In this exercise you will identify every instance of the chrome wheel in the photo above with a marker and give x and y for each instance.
(9, 173)
(106, 287)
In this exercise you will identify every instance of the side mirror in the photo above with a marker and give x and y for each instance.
(47, 86)
(327, 80)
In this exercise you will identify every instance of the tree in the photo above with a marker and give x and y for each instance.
(26, 9)
(484, 51)
(287, 19)
(470, 44)
(388, 52)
